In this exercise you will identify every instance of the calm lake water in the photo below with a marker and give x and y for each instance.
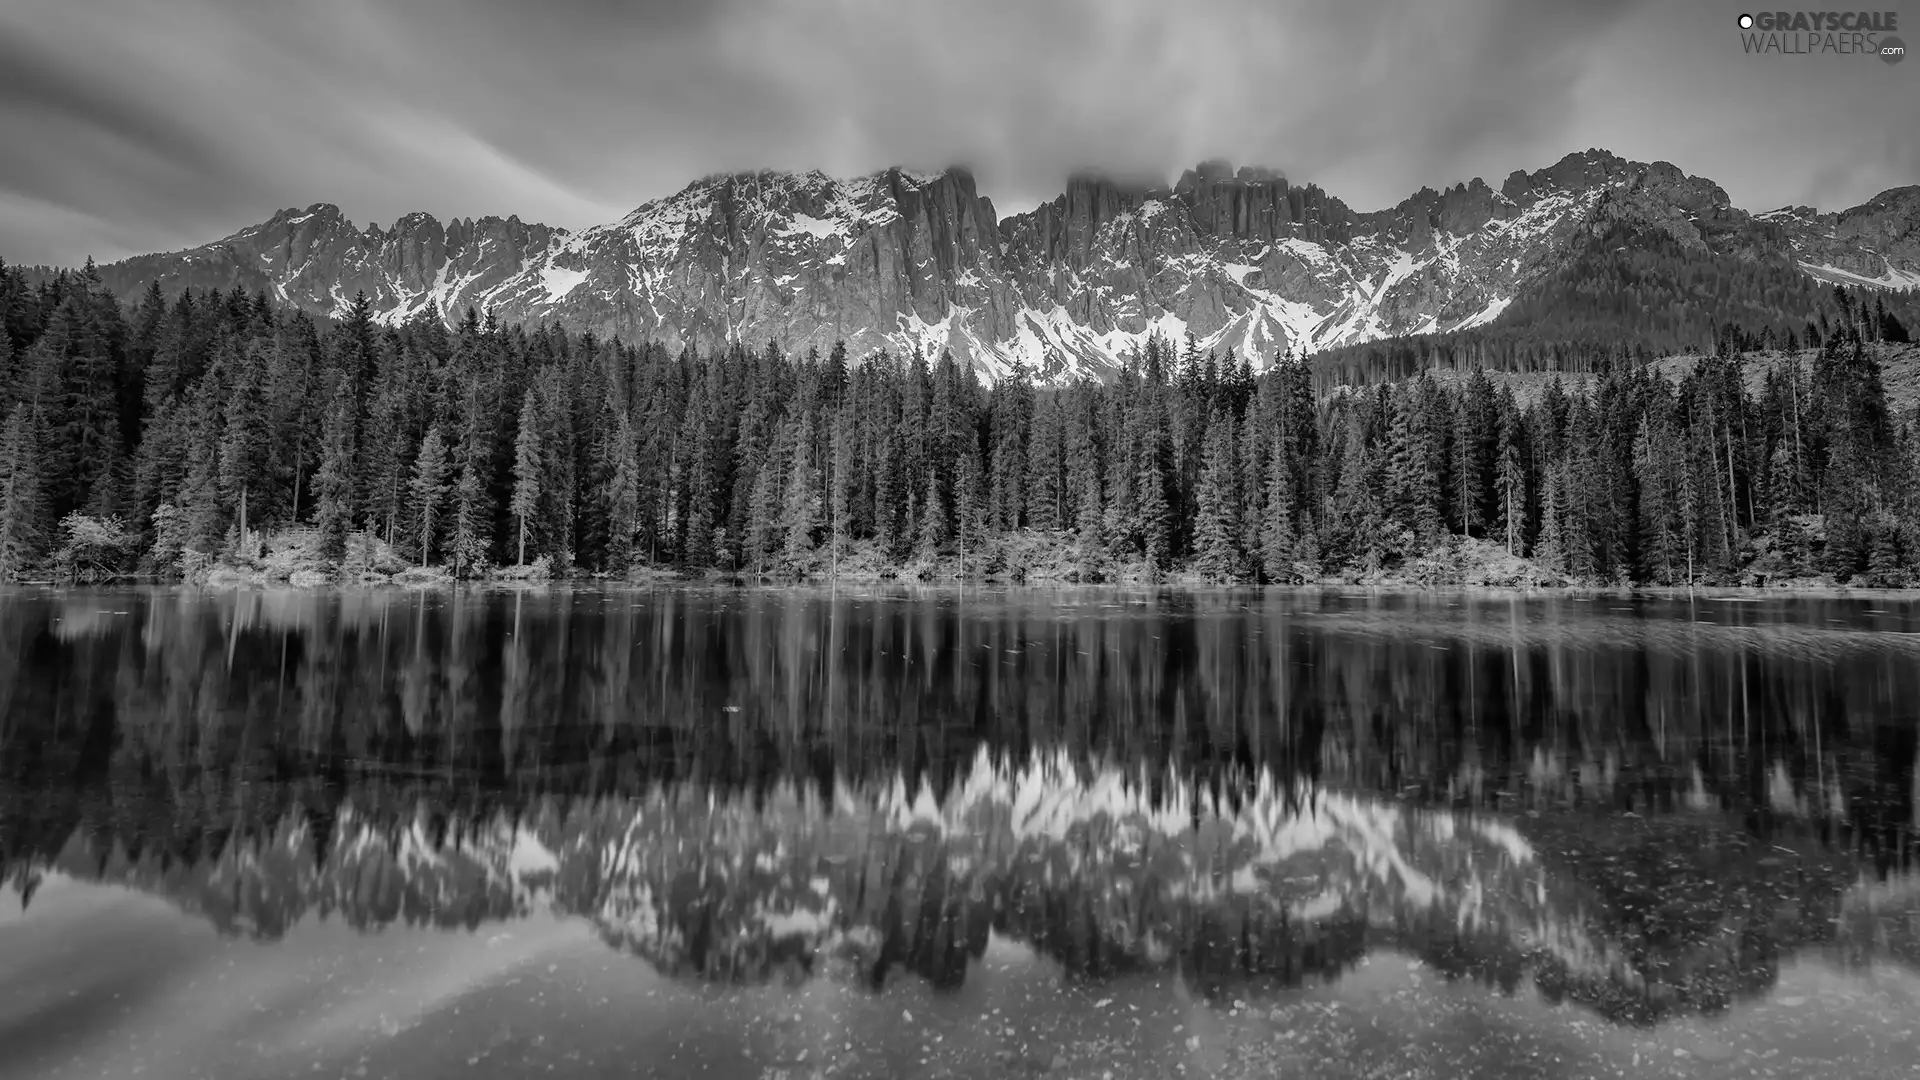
(1100, 833)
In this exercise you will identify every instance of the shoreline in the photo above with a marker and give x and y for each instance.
(1172, 584)
(1023, 560)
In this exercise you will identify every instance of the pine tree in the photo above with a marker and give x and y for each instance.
(620, 494)
(1784, 503)
(1476, 450)
(1358, 520)
(933, 518)
(526, 472)
(1217, 533)
(801, 510)
(333, 483)
(699, 467)
(1511, 479)
(1152, 518)
(1153, 514)
(1551, 551)
(561, 423)
(1084, 470)
(12, 377)
(23, 508)
(384, 446)
(1660, 546)
(246, 464)
(842, 481)
(970, 499)
(469, 532)
(428, 489)
(1886, 564)
(82, 410)
(763, 523)
(1044, 481)
(470, 528)
(204, 515)
(1408, 490)
(1012, 417)
(1278, 541)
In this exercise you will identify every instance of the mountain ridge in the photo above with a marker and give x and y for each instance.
(1238, 256)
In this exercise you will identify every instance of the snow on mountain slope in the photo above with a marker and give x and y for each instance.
(904, 260)
(1891, 278)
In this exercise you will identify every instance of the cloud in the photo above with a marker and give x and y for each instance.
(163, 125)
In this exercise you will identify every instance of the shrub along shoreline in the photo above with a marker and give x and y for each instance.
(290, 558)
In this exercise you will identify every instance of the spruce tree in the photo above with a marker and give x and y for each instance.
(1511, 478)
(526, 473)
(1551, 551)
(1011, 419)
(1044, 481)
(933, 518)
(24, 529)
(970, 504)
(1660, 547)
(428, 489)
(620, 495)
(697, 452)
(842, 480)
(1278, 542)
(1476, 454)
(1153, 514)
(1083, 472)
(385, 443)
(1886, 564)
(469, 530)
(82, 409)
(247, 466)
(800, 508)
(1217, 532)
(204, 514)
(333, 483)
(470, 525)
(1784, 504)
(12, 377)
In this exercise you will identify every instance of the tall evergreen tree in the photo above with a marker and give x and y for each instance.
(620, 494)
(527, 466)
(24, 528)
(1044, 482)
(1279, 543)
(801, 509)
(333, 483)
(1217, 536)
(428, 489)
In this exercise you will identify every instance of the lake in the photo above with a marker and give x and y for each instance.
(877, 833)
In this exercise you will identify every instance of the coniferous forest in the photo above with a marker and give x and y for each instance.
(210, 433)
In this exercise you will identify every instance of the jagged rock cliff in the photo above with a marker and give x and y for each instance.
(1239, 258)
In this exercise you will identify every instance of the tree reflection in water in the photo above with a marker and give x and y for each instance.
(1642, 805)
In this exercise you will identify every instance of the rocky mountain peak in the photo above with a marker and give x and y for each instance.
(900, 258)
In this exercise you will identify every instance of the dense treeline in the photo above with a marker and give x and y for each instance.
(176, 433)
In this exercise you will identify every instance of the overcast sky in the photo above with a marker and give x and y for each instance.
(129, 126)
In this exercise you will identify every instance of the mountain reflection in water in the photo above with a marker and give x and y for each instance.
(1640, 805)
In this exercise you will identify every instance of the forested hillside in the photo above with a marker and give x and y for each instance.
(1634, 294)
(216, 430)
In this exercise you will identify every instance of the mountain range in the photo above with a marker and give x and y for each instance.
(1239, 258)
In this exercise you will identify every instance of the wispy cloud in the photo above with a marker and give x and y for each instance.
(132, 126)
